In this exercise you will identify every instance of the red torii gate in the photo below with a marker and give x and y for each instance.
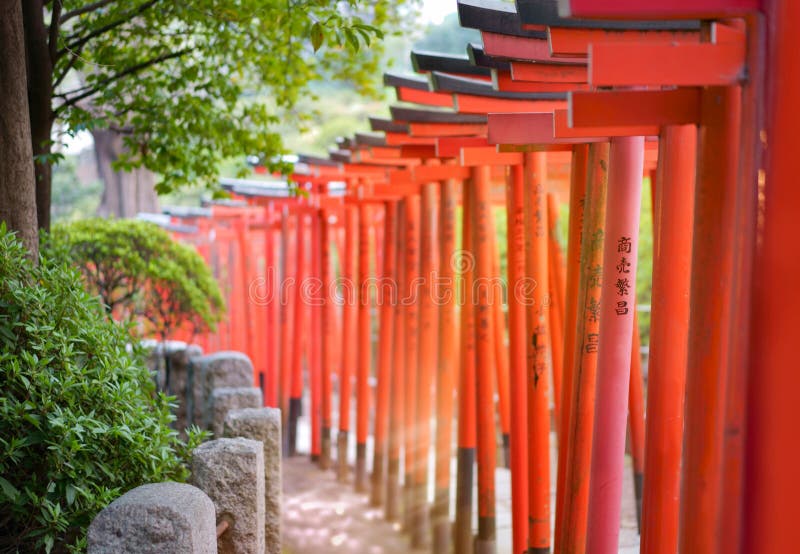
(713, 76)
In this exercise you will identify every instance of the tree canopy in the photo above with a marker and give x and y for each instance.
(138, 271)
(188, 83)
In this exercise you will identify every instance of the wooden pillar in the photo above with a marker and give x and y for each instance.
(517, 336)
(397, 396)
(296, 392)
(364, 368)
(669, 330)
(578, 435)
(386, 301)
(575, 233)
(411, 302)
(709, 323)
(771, 484)
(486, 445)
(467, 433)
(328, 323)
(446, 368)
(538, 354)
(313, 297)
(350, 292)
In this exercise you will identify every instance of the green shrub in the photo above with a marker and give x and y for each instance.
(80, 421)
(138, 271)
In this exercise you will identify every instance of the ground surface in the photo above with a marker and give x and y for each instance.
(322, 515)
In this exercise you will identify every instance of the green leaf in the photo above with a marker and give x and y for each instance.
(9, 490)
(317, 36)
(70, 494)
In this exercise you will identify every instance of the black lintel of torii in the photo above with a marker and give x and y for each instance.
(545, 12)
(478, 56)
(370, 139)
(494, 16)
(419, 115)
(309, 159)
(463, 85)
(344, 143)
(340, 155)
(395, 80)
(446, 63)
(387, 125)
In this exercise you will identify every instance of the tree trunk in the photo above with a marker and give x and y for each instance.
(40, 102)
(17, 180)
(126, 193)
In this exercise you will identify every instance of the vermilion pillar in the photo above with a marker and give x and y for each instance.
(350, 291)
(481, 294)
(636, 418)
(314, 292)
(577, 204)
(517, 296)
(397, 396)
(709, 323)
(556, 279)
(617, 306)
(669, 329)
(444, 293)
(328, 323)
(771, 480)
(386, 296)
(538, 354)
(428, 342)
(410, 300)
(467, 434)
(499, 348)
(272, 280)
(286, 330)
(363, 392)
(584, 358)
(296, 392)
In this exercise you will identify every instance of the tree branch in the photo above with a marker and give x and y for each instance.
(129, 71)
(77, 44)
(70, 64)
(84, 9)
(52, 40)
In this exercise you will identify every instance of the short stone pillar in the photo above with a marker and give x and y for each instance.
(160, 518)
(222, 369)
(177, 378)
(231, 473)
(264, 424)
(223, 400)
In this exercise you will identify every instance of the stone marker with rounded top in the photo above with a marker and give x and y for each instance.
(228, 368)
(231, 473)
(264, 424)
(223, 400)
(160, 518)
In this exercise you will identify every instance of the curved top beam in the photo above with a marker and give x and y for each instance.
(545, 12)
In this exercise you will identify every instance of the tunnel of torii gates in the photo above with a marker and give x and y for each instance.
(378, 286)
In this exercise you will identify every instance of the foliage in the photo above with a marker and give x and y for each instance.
(448, 37)
(192, 83)
(80, 422)
(73, 199)
(138, 270)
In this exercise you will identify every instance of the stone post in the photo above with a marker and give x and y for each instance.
(223, 400)
(264, 424)
(222, 369)
(231, 473)
(160, 518)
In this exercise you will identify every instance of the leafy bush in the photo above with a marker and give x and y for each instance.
(80, 421)
(139, 271)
